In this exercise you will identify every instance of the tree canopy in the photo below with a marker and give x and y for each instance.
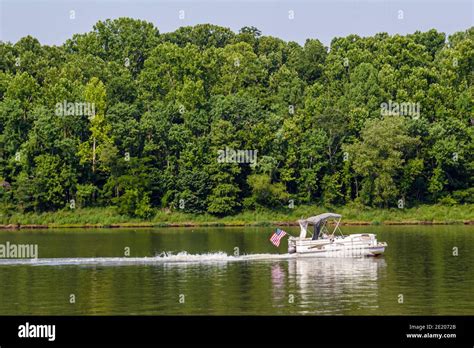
(125, 115)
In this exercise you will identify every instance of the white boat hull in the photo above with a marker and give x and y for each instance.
(355, 245)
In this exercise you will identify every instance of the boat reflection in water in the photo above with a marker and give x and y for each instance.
(331, 286)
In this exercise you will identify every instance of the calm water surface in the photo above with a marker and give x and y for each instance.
(418, 264)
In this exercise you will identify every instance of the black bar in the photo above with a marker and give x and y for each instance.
(210, 330)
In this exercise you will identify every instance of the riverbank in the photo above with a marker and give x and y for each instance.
(352, 215)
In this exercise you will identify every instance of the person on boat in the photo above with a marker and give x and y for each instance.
(317, 230)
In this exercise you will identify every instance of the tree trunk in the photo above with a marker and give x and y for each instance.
(93, 156)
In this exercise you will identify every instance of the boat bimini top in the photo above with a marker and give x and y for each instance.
(319, 222)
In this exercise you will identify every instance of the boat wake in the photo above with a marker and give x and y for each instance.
(163, 258)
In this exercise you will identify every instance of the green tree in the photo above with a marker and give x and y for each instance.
(99, 139)
(378, 157)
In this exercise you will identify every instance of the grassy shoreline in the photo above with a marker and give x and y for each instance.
(352, 215)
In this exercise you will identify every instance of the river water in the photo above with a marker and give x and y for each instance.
(426, 270)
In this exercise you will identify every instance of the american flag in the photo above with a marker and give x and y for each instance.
(277, 236)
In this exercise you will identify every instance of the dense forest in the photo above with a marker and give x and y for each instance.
(207, 120)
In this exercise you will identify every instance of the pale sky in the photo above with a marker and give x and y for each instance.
(49, 20)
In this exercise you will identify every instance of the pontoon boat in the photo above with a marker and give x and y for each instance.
(325, 243)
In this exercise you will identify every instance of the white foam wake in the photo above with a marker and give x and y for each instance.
(164, 258)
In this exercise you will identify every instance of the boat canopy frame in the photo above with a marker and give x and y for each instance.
(320, 220)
